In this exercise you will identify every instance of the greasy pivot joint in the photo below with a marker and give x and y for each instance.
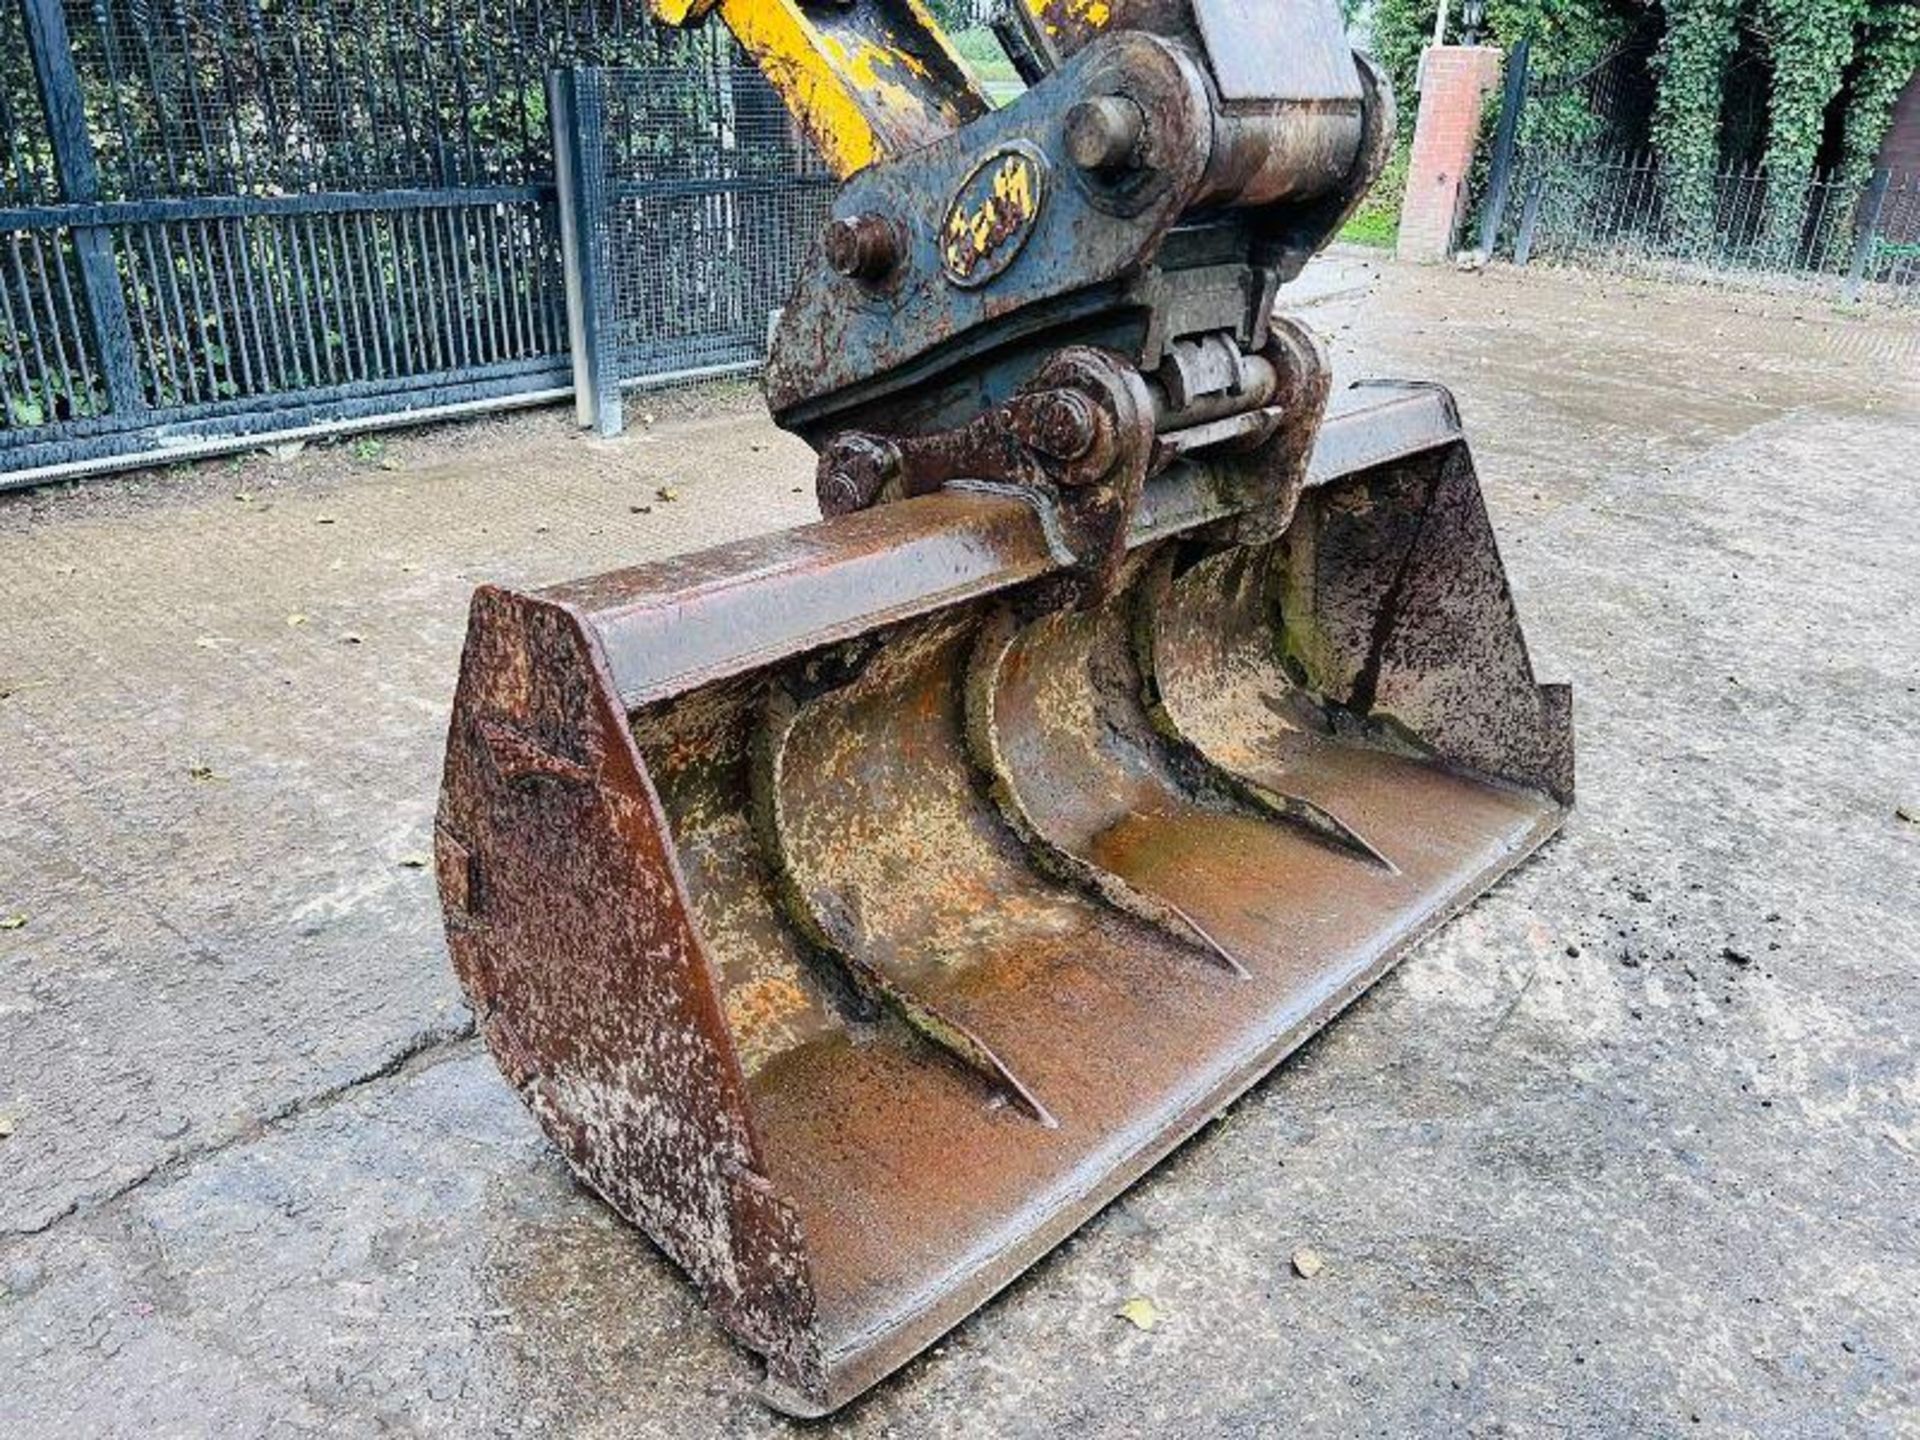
(1077, 442)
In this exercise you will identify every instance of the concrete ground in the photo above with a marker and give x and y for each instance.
(1632, 1148)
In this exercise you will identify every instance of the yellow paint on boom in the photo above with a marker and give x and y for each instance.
(1054, 15)
(859, 98)
(785, 45)
(862, 63)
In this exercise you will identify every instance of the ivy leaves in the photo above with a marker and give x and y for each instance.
(1889, 53)
(1691, 64)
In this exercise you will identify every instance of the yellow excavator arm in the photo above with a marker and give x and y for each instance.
(866, 82)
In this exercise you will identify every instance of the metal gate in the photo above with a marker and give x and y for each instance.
(220, 219)
(685, 212)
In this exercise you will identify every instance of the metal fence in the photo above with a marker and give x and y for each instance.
(221, 218)
(1858, 239)
(687, 209)
(1569, 178)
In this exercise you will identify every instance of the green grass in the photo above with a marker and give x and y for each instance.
(982, 52)
(1377, 221)
(1379, 228)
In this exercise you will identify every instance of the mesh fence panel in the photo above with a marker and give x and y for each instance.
(199, 97)
(26, 156)
(711, 198)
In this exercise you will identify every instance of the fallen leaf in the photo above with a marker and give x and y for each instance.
(391, 462)
(415, 861)
(245, 497)
(6, 1126)
(13, 922)
(667, 492)
(1307, 1263)
(1139, 1312)
(202, 772)
(296, 619)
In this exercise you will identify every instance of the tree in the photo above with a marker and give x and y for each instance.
(1811, 42)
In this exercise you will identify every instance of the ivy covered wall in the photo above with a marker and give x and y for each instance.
(1829, 68)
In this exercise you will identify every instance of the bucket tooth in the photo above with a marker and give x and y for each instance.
(1088, 775)
(993, 648)
(885, 857)
(1208, 647)
(1378, 635)
(834, 917)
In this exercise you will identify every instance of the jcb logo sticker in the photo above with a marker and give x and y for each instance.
(992, 215)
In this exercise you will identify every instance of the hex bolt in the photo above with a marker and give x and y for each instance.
(840, 493)
(863, 247)
(854, 469)
(1065, 425)
(1104, 133)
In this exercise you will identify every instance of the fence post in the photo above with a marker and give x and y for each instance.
(575, 100)
(1869, 233)
(1445, 134)
(1529, 219)
(51, 50)
(1500, 181)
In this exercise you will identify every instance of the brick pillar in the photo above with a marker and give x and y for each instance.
(1454, 83)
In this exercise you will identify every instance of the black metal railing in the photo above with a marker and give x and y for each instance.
(1860, 239)
(1570, 179)
(219, 218)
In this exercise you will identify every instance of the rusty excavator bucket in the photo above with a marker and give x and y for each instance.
(861, 907)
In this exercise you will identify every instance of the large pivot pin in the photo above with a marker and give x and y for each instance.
(1104, 133)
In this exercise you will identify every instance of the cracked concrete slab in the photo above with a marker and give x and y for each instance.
(1630, 1148)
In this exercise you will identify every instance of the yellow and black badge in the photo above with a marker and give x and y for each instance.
(991, 215)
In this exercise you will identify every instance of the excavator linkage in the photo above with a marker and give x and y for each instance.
(861, 907)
